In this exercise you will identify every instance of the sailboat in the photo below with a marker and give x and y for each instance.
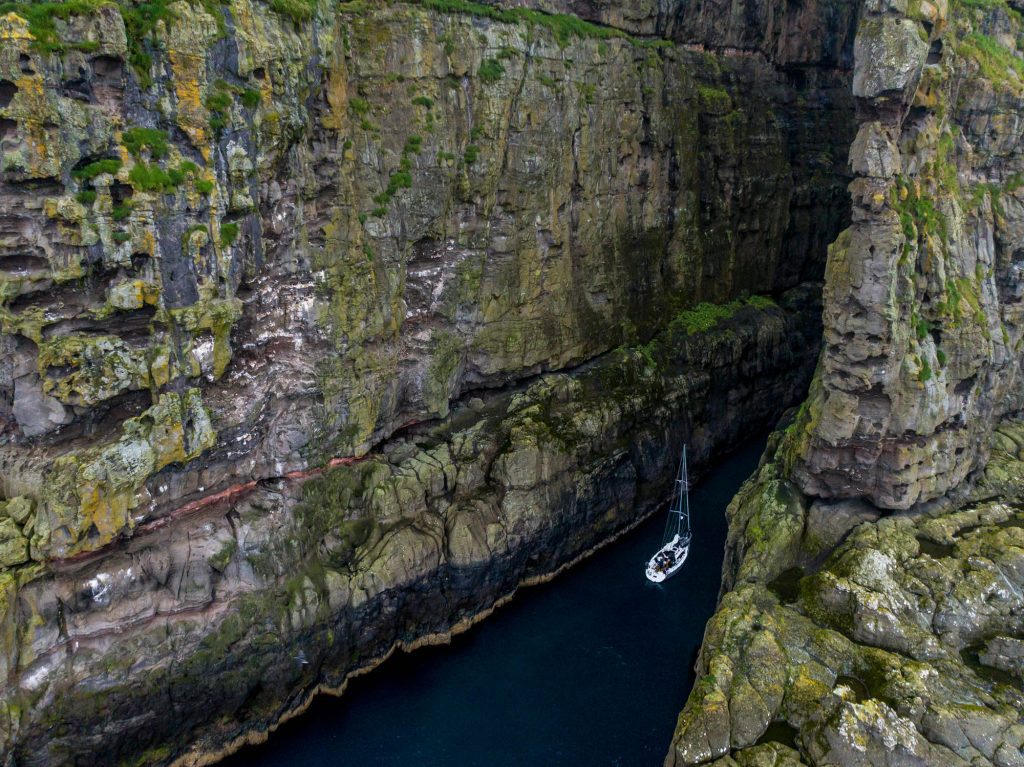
(676, 540)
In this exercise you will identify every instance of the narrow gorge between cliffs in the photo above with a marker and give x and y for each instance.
(327, 327)
(591, 668)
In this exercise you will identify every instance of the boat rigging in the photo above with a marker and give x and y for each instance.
(676, 539)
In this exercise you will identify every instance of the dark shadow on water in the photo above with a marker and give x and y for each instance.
(590, 669)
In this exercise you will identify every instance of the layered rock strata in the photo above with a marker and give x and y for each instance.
(325, 326)
(206, 631)
(871, 613)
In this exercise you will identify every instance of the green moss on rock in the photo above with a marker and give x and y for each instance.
(86, 370)
(88, 496)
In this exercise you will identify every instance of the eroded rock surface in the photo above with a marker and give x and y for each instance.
(871, 610)
(923, 290)
(902, 647)
(323, 326)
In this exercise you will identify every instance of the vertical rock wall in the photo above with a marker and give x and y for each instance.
(871, 612)
(324, 326)
(923, 311)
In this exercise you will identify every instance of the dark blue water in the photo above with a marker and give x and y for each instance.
(590, 669)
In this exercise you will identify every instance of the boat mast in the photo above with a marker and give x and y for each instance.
(684, 511)
(675, 505)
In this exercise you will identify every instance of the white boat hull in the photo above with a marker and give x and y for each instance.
(667, 561)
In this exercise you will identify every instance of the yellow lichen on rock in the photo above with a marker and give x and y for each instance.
(89, 496)
(192, 116)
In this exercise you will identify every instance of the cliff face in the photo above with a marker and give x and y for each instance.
(873, 577)
(923, 310)
(280, 264)
(325, 327)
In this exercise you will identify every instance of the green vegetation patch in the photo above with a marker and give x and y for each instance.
(714, 100)
(490, 71)
(222, 558)
(250, 98)
(704, 316)
(94, 169)
(563, 27)
(219, 104)
(152, 178)
(218, 101)
(762, 302)
(140, 22)
(296, 10)
(998, 64)
(918, 214)
(982, 5)
(924, 373)
(980, 9)
(701, 318)
(137, 139)
(228, 233)
(359, 106)
(922, 326)
(401, 178)
(413, 145)
(42, 21)
(141, 18)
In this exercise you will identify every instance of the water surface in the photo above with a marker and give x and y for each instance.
(590, 669)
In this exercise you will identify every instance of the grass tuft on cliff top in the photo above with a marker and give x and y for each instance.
(998, 64)
(42, 20)
(563, 27)
(141, 18)
(704, 316)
